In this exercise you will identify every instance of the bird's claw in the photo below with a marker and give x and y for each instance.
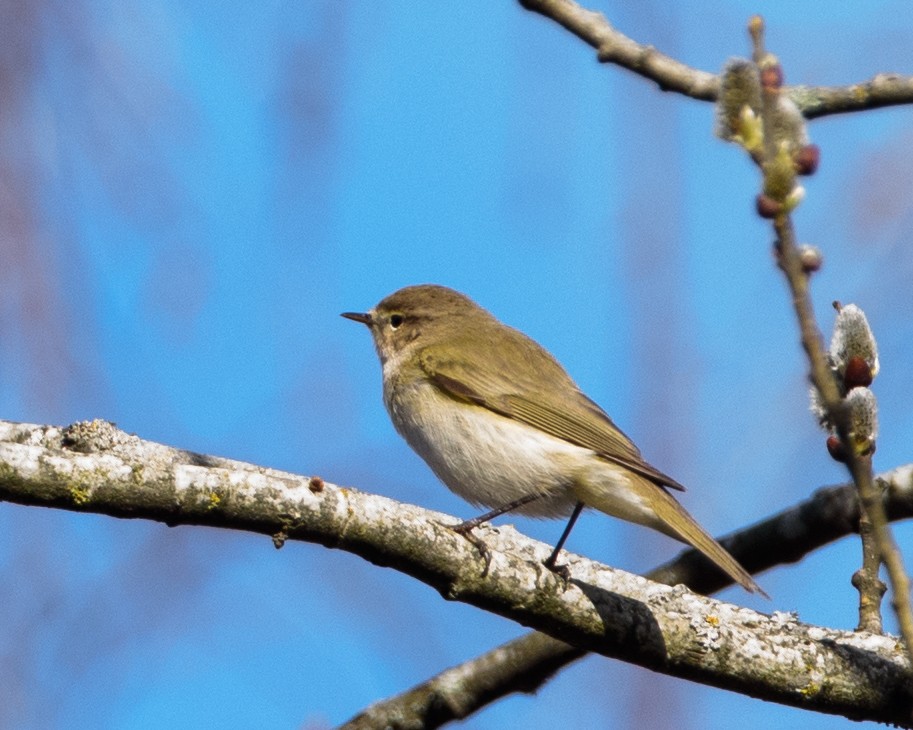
(559, 569)
(465, 529)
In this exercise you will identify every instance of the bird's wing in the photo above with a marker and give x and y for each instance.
(568, 415)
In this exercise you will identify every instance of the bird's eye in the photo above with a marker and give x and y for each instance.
(396, 320)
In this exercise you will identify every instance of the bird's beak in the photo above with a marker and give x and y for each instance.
(365, 318)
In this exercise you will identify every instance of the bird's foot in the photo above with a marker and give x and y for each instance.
(559, 569)
(465, 529)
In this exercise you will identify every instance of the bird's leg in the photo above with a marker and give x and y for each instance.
(550, 562)
(465, 528)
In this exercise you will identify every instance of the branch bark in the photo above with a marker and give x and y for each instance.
(527, 662)
(94, 467)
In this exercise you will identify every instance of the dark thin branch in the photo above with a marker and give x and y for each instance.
(521, 665)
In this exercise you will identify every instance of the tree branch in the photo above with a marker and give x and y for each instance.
(521, 665)
(612, 46)
(93, 467)
(779, 185)
(669, 74)
(883, 90)
(526, 663)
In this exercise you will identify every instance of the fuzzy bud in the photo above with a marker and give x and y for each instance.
(810, 257)
(863, 408)
(853, 357)
(853, 338)
(818, 409)
(771, 74)
(780, 174)
(788, 125)
(739, 102)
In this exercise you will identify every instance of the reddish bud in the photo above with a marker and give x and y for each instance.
(858, 374)
(767, 206)
(807, 159)
(315, 484)
(835, 449)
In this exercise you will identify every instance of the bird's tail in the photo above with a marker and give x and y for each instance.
(643, 502)
(677, 523)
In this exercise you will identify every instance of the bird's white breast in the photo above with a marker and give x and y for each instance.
(486, 458)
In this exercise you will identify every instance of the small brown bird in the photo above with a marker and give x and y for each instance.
(502, 424)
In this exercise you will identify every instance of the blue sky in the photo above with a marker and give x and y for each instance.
(192, 192)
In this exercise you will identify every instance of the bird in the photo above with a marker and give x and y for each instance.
(502, 424)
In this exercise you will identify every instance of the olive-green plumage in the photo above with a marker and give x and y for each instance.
(497, 418)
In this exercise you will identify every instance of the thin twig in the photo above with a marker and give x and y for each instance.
(870, 587)
(615, 47)
(866, 580)
(821, 375)
(887, 547)
(881, 91)
(860, 466)
(672, 75)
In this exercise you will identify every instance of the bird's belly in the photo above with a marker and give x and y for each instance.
(489, 459)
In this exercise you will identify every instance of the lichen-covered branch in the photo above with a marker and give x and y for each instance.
(93, 467)
(527, 662)
(613, 46)
(885, 89)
